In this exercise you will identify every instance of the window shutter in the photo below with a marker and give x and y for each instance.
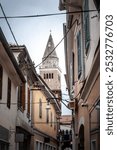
(79, 54)
(86, 26)
(19, 97)
(47, 116)
(23, 97)
(51, 120)
(40, 108)
(28, 102)
(9, 93)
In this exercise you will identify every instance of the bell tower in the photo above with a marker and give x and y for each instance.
(50, 70)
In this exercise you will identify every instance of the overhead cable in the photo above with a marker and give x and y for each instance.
(57, 44)
(8, 25)
(47, 15)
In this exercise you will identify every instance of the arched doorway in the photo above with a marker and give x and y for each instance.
(81, 138)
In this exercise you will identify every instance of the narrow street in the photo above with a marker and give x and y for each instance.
(50, 75)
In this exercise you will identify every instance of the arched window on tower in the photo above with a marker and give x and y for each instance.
(44, 76)
(49, 75)
(52, 76)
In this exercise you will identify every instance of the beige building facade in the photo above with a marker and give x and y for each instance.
(82, 57)
(45, 113)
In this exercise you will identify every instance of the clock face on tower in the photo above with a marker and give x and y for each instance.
(49, 44)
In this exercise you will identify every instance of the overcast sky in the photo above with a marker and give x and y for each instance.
(34, 32)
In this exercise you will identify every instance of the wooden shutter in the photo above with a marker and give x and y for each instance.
(23, 96)
(19, 97)
(9, 93)
(28, 102)
(47, 115)
(40, 108)
(51, 120)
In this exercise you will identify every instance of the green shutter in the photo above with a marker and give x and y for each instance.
(79, 55)
(86, 26)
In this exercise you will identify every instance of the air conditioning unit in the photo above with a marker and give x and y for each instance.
(71, 104)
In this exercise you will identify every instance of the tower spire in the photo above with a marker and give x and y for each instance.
(50, 71)
(49, 48)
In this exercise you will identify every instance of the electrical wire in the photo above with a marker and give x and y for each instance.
(15, 103)
(9, 25)
(57, 44)
(42, 16)
(46, 15)
(48, 122)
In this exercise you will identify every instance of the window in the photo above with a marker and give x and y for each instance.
(28, 105)
(86, 26)
(21, 97)
(1, 75)
(37, 145)
(44, 76)
(4, 145)
(40, 108)
(55, 122)
(47, 115)
(79, 54)
(9, 93)
(49, 75)
(51, 120)
(52, 76)
(93, 145)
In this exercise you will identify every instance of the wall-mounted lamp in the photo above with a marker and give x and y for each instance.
(97, 107)
(84, 104)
